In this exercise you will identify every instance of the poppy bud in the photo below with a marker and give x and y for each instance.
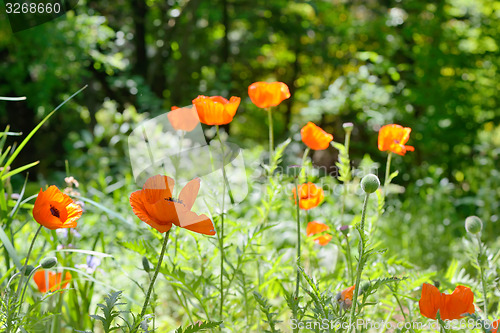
(348, 126)
(48, 262)
(370, 183)
(28, 269)
(145, 264)
(473, 224)
(364, 287)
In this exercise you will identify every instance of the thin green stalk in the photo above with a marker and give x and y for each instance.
(221, 236)
(481, 270)
(157, 270)
(387, 172)
(271, 135)
(26, 287)
(303, 169)
(359, 268)
(298, 238)
(349, 260)
(346, 182)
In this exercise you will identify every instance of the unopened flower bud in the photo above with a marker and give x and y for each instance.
(370, 183)
(48, 262)
(344, 229)
(145, 264)
(348, 126)
(28, 269)
(473, 224)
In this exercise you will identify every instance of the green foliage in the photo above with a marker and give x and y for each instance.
(110, 311)
(266, 309)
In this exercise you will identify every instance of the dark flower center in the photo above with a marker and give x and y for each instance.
(175, 200)
(54, 211)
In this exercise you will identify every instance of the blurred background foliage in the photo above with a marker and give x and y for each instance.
(429, 65)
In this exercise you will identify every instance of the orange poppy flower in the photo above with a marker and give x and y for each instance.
(314, 228)
(310, 196)
(495, 326)
(183, 119)
(315, 137)
(216, 110)
(393, 138)
(450, 306)
(54, 209)
(344, 298)
(50, 281)
(264, 94)
(155, 205)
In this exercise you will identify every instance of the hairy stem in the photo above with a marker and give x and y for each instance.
(157, 270)
(271, 135)
(359, 268)
(481, 271)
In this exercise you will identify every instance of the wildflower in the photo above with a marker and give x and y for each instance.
(183, 119)
(315, 137)
(393, 138)
(314, 228)
(155, 206)
(91, 264)
(54, 209)
(216, 110)
(265, 95)
(450, 306)
(344, 298)
(50, 281)
(310, 195)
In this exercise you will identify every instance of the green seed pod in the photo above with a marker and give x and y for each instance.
(473, 224)
(145, 264)
(28, 270)
(370, 183)
(48, 262)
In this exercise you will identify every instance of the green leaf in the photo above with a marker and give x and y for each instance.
(30, 135)
(10, 249)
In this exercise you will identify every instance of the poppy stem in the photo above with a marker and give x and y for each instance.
(481, 271)
(298, 240)
(157, 270)
(271, 135)
(359, 268)
(221, 236)
(21, 280)
(304, 158)
(387, 172)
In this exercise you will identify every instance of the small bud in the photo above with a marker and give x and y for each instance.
(48, 262)
(344, 229)
(473, 224)
(364, 287)
(28, 270)
(348, 126)
(370, 183)
(145, 264)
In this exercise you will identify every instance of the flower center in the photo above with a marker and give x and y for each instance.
(54, 211)
(175, 200)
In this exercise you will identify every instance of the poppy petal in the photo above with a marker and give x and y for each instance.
(189, 193)
(158, 188)
(430, 301)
